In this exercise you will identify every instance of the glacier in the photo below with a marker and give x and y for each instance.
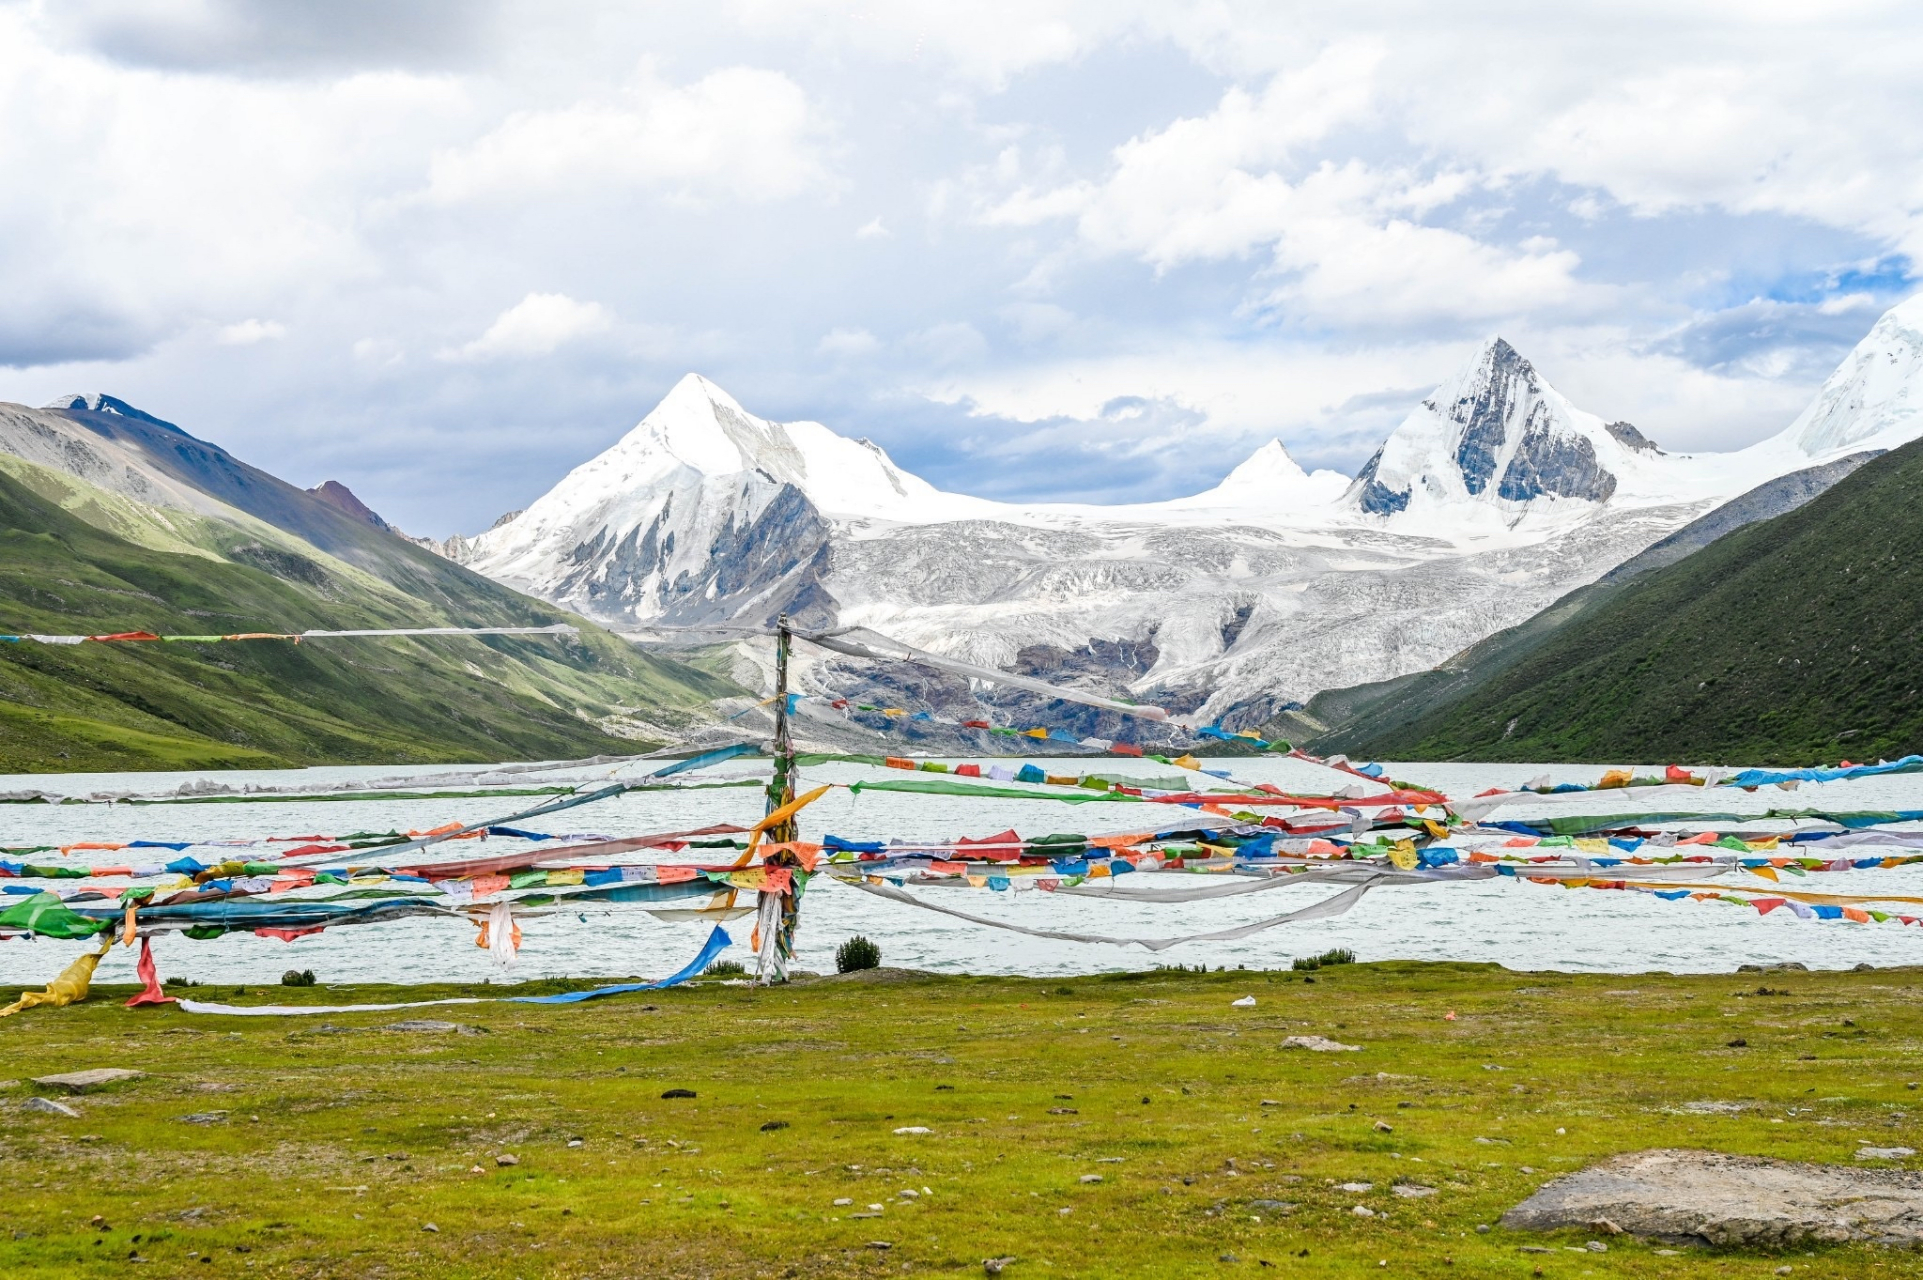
(1495, 496)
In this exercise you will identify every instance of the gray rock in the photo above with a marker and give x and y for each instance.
(87, 1081)
(1319, 1044)
(433, 1026)
(1704, 1197)
(47, 1106)
(1884, 1153)
(205, 1117)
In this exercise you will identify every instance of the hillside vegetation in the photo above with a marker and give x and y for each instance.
(1793, 639)
(269, 703)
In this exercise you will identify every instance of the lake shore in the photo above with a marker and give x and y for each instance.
(1137, 1124)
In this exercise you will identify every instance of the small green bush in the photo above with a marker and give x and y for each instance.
(725, 969)
(297, 978)
(1337, 955)
(857, 953)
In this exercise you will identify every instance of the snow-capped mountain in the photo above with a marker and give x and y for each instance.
(1874, 400)
(1493, 498)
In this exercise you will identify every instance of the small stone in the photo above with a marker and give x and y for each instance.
(1356, 1188)
(47, 1106)
(1227, 1257)
(1383, 1126)
(577, 1142)
(995, 1266)
(843, 1201)
(428, 1226)
(476, 1169)
(1363, 1211)
(1091, 1178)
(1596, 1246)
(505, 1160)
(1482, 1228)
(205, 1117)
(912, 1129)
(772, 1125)
(1246, 1002)
(1884, 1153)
(1319, 1044)
(881, 1244)
(87, 1081)
(1412, 1190)
(1063, 1111)
(1782, 1271)
(679, 1093)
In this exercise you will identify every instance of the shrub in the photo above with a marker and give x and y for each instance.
(297, 978)
(857, 953)
(725, 969)
(1337, 955)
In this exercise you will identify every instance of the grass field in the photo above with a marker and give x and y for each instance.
(1129, 1125)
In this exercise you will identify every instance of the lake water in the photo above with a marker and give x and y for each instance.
(1517, 924)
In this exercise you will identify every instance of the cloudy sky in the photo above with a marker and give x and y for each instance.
(445, 250)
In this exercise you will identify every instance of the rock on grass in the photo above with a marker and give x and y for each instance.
(1704, 1197)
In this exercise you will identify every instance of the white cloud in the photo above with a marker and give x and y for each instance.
(245, 333)
(847, 343)
(740, 133)
(871, 230)
(535, 326)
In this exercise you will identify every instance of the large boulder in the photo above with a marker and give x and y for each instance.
(1704, 1197)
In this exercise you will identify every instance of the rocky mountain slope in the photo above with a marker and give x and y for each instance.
(114, 520)
(1495, 497)
(1789, 640)
(1377, 718)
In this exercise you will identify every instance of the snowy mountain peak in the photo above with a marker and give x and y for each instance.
(101, 402)
(1875, 397)
(1270, 480)
(1494, 435)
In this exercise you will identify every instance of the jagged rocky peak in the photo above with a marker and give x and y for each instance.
(1630, 438)
(1495, 432)
(342, 499)
(101, 402)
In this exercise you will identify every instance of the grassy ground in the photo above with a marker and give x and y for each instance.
(328, 1145)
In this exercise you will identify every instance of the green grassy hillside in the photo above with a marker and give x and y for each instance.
(1790, 640)
(265, 703)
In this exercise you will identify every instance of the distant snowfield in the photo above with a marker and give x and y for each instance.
(1493, 498)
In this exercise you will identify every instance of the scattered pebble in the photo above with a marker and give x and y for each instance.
(428, 1226)
(679, 1093)
(773, 1125)
(1356, 1188)
(506, 1160)
(1091, 1178)
(842, 1201)
(1383, 1126)
(1884, 1153)
(1246, 1002)
(995, 1266)
(1363, 1211)
(47, 1106)
(909, 1129)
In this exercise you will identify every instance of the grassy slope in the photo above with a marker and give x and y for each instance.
(263, 703)
(1788, 641)
(341, 1139)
